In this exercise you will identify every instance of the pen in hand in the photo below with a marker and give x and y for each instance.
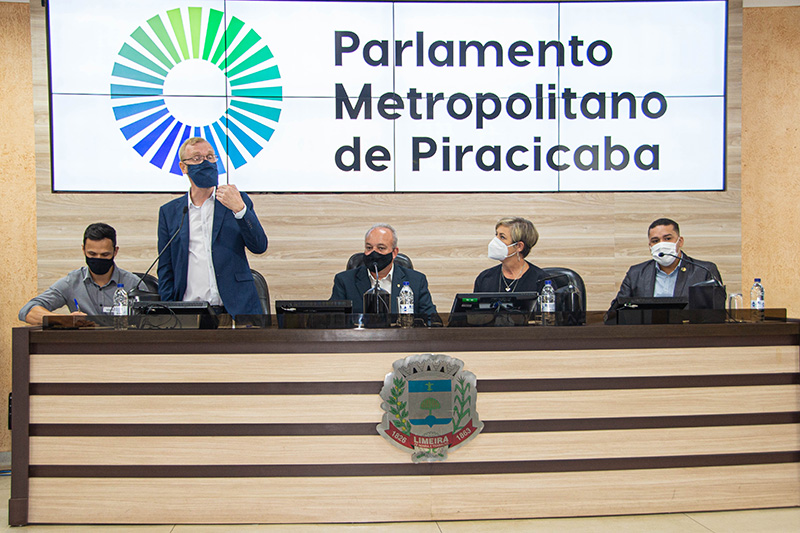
(77, 307)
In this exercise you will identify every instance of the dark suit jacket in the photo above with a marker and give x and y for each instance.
(228, 241)
(352, 284)
(640, 281)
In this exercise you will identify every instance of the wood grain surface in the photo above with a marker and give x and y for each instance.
(17, 179)
(332, 499)
(312, 235)
(354, 408)
(233, 368)
(366, 449)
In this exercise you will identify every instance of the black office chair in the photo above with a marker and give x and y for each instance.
(149, 282)
(562, 277)
(262, 289)
(356, 260)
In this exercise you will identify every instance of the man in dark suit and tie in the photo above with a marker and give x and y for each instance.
(206, 261)
(380, 249)
(670, 273)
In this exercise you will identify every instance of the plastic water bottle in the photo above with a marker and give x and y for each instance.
(757, 300)
(548, 304)
(405, 306)
(120, 309)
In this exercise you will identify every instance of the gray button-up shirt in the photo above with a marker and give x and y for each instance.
(79, 286)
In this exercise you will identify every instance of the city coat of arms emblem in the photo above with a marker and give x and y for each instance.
(429, 406)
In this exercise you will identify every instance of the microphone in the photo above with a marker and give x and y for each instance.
(554, 277)
(376, 296)
(377, 288)
(718, 282)
(136, 292)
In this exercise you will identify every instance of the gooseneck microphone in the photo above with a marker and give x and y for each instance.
(375, 294)
(136, 291)
(718, 282)
(377, 290)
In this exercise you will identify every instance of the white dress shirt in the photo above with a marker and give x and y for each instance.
(201, 280)
(384, 283)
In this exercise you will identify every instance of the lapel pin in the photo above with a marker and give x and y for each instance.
(683, 269)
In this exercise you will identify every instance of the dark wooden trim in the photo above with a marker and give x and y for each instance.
(637, 382)
(374, 387)
(644, 422)
(419, 340)
(368, 428)
(207, 389)
(410, 469)
(20, 418)
(18, 511)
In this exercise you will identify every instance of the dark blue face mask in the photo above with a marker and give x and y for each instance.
(204, 175)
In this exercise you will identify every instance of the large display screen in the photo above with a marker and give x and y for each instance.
(390, 96)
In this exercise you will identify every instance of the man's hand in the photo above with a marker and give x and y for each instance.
(228, 195)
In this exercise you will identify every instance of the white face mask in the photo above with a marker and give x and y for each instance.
(498, 250)
(666, 248)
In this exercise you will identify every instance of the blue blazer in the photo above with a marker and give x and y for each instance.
(228, 241)
(352, 284)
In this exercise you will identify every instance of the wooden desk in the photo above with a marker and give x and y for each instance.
(278, 426)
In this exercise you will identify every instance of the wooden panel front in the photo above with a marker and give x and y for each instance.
(381, 499)
(298, 367)
(346, 408)
(207, 427)
(368, 449)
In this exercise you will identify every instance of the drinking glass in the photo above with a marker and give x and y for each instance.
(736, 307)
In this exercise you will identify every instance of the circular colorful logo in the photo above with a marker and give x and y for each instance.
(193, 73)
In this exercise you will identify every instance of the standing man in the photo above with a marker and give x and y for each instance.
(670, 273)
(88, 290)
(380, 249)
(214, 224)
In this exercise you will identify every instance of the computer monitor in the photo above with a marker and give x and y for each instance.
(174, 315)
(313, 314)
(652, 302)
(169, 308)
(492, 309)
(649, 310)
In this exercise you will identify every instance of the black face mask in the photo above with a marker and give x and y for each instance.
(99, 266)
(378, 260)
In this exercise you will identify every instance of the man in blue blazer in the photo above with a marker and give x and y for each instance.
(670, 273)
(380, 249)
(210, 228)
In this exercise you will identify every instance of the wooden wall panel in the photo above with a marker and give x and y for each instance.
(311, 235)
(770, 141)
(17, 180)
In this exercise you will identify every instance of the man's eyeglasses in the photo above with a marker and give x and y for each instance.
(211, 158)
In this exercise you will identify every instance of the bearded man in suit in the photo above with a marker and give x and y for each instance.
(670, 273)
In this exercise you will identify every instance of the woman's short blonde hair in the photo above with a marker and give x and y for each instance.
(522, 230)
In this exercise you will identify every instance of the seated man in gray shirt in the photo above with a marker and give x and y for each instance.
(88, 290)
